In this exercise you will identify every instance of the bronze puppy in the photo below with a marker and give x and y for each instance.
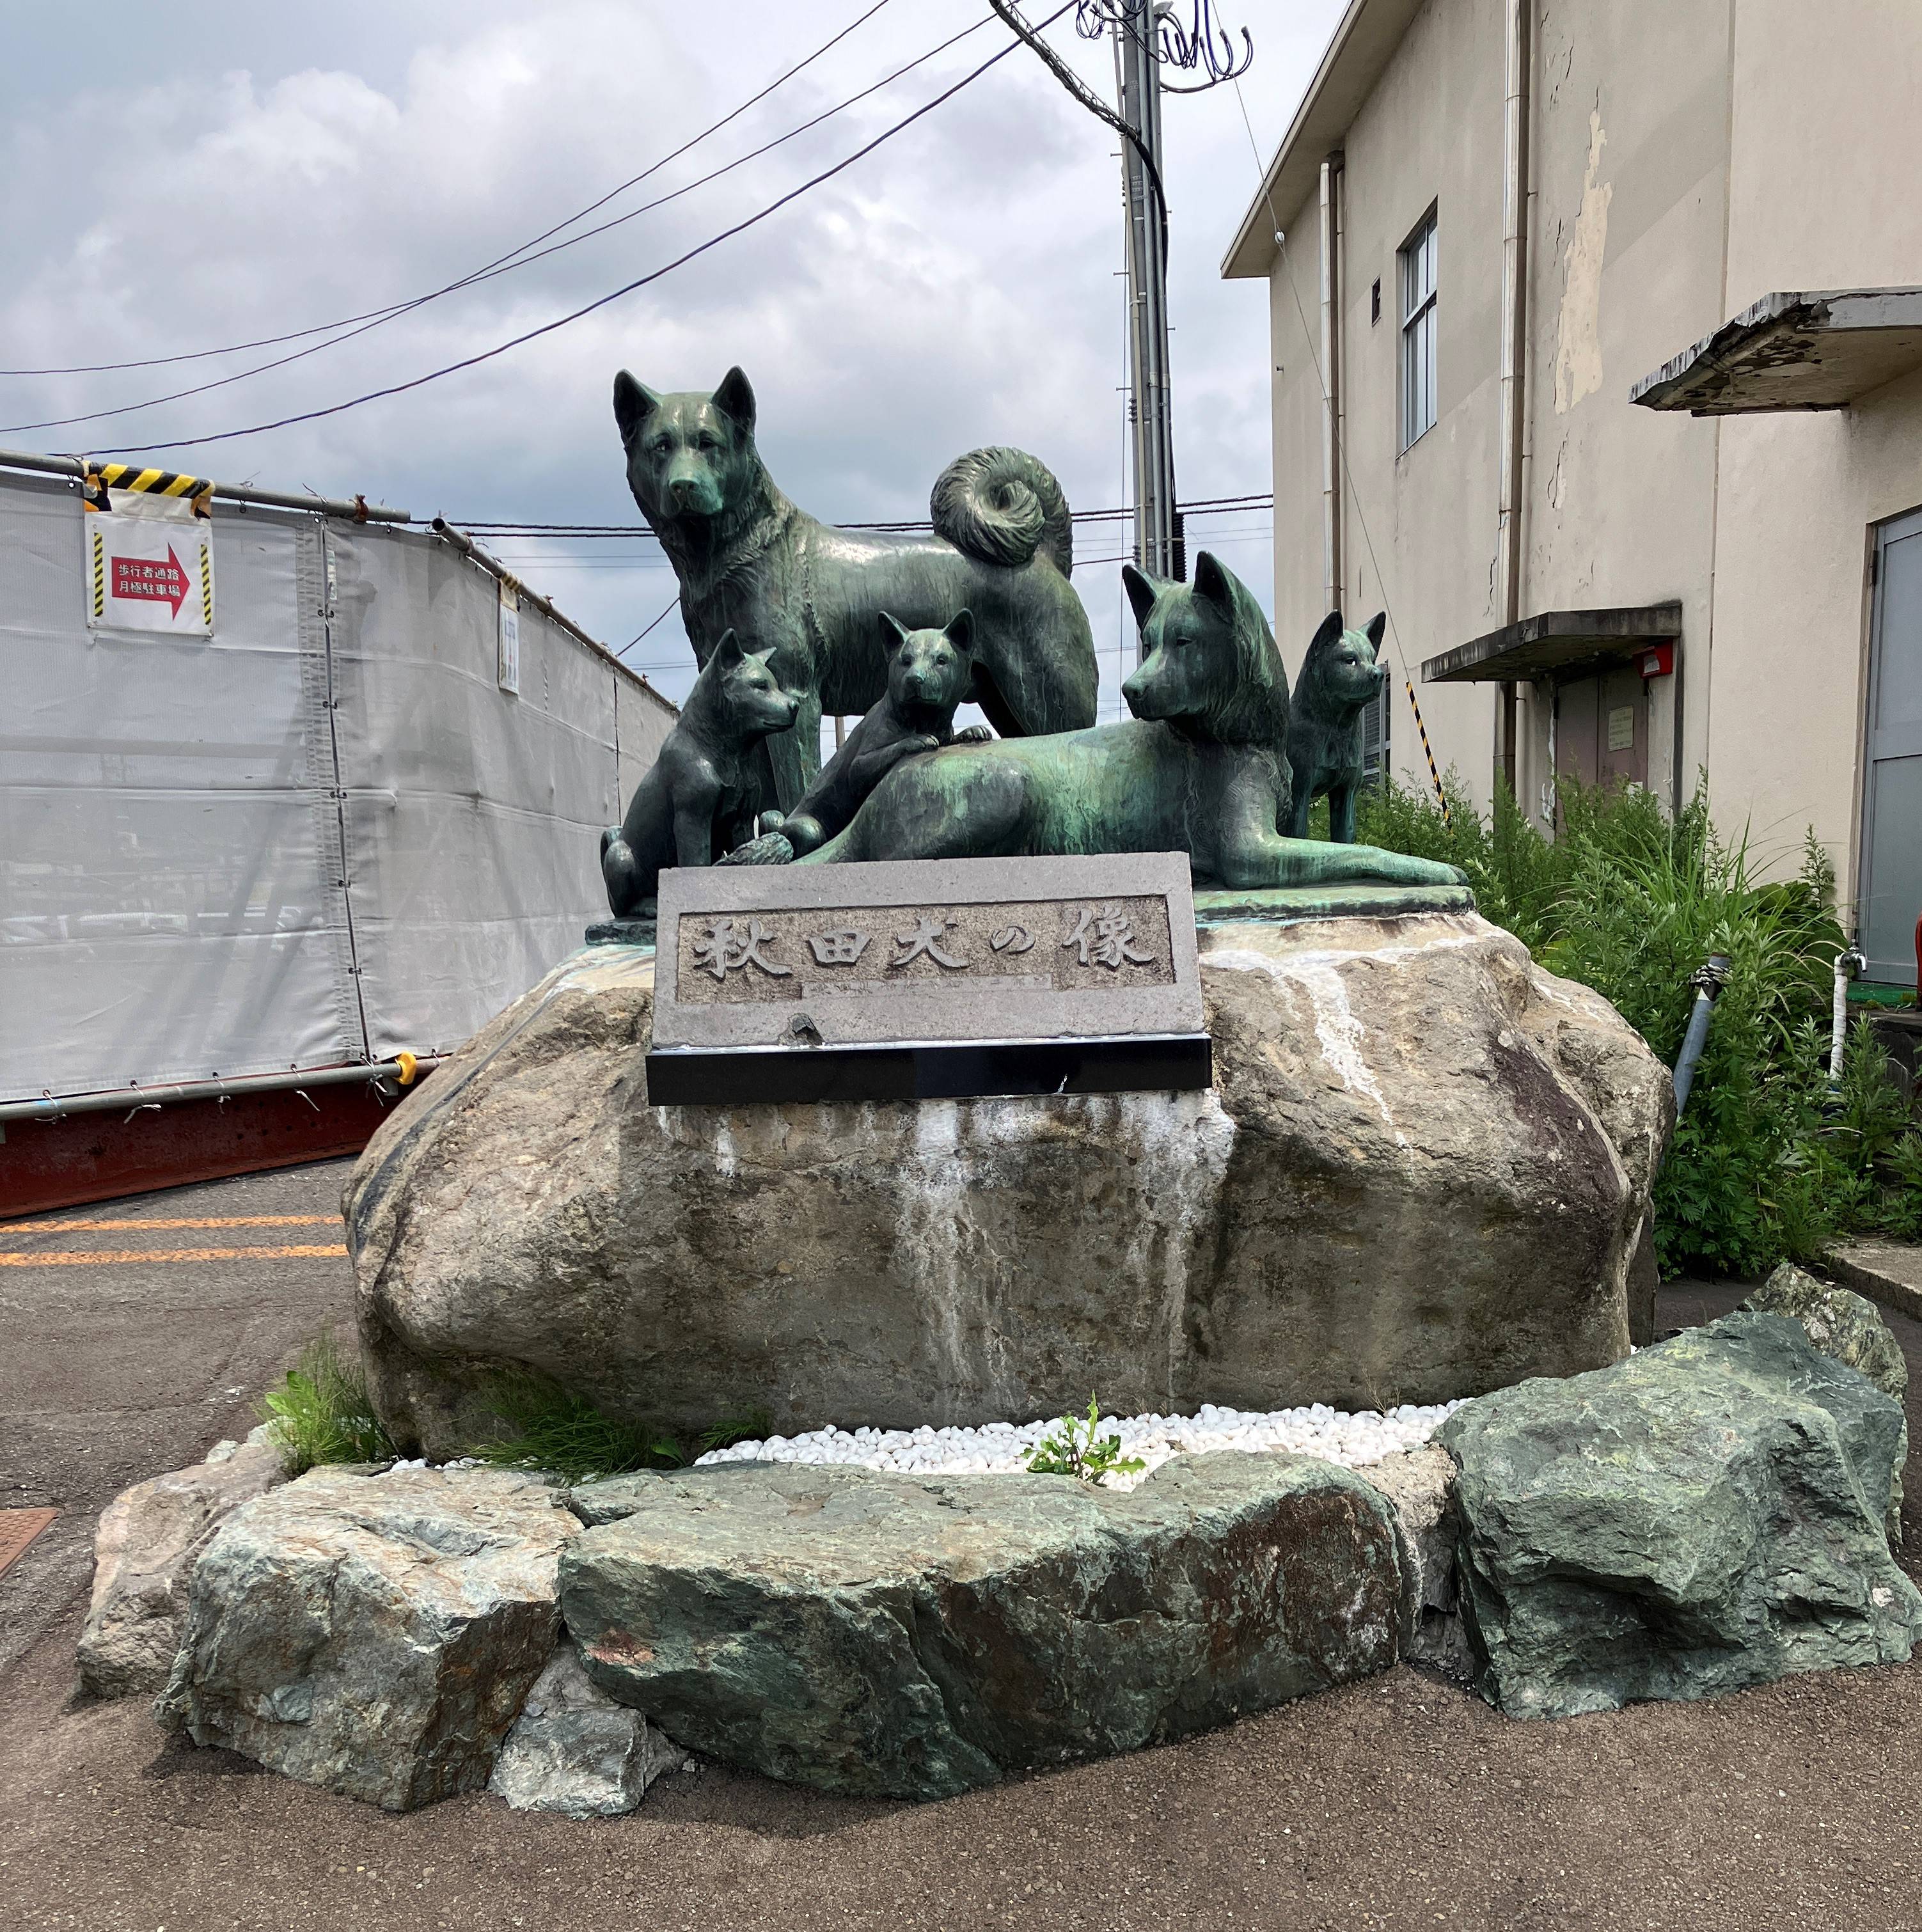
(929, 674)
(699, 794)
(1340, 677)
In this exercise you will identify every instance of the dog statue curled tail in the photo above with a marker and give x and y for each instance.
(1203, 767)
(747, 559)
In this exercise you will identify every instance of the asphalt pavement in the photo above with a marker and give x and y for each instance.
(1400, 1802)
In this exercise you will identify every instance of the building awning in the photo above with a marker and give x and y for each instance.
(1794, 351)
(1556, 641)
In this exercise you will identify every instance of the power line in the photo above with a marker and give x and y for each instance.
(1206, 506)
(395, 308)
(601, 301)
(507, 264)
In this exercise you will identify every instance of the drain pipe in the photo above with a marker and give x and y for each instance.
(1330, 384)
(1848, 963)
(1708, 982)
(1514, 358)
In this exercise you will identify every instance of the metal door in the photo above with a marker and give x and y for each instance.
(1601, 727)
(1891, 883)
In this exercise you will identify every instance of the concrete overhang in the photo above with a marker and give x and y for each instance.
(1794, 351)
(1556, 641)
(1363, 42)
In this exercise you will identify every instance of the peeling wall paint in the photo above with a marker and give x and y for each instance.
(1579, 342)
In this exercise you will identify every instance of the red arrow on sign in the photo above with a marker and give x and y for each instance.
(141, 577)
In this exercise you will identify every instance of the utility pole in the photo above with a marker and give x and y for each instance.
(1147, 34)
(1158, 549)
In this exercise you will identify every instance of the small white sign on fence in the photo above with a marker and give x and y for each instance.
(508, 670)
(149, 562)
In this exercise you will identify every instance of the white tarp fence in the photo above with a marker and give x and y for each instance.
(322, 835)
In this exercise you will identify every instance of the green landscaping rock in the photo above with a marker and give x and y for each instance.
(888, 1636)
(1706, 1515)
(1849, 1327)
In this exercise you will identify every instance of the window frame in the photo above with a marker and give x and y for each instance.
(1418, 280)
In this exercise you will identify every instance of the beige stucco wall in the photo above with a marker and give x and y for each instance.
(1687, 158)
(1828, 114)
(1628, 169)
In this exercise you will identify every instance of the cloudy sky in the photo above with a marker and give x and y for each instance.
(182, 178)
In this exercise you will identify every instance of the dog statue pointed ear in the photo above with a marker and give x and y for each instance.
(634, 403)
(735, 400)
(1329, 633)
(1377, 626)
(1143, 591)
(960, 632)
(1212, 582)
(894, 635)
(728, 652)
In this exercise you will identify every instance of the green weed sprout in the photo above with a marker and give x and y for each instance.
(1073, 1448)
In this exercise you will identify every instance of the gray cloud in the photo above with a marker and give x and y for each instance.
(248, 170)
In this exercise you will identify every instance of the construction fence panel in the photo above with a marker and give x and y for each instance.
(324, 835)
(164, 911)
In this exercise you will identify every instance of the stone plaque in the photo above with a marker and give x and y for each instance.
(1069, 954)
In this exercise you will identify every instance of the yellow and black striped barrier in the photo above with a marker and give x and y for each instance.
(130, 476)
(1428, 751)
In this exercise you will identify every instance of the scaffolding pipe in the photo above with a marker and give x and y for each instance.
(1513, 354)
(359, 510)
(402, 1071)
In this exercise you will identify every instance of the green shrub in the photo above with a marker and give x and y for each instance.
(545, 1428)
(1766, 1165)
(322, 1413)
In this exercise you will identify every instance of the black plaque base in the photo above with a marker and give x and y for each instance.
(736, 1077)
(621, 932)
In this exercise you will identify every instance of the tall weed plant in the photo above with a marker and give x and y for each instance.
(1767, 1164)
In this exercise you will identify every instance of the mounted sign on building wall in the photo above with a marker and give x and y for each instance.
(149, 561)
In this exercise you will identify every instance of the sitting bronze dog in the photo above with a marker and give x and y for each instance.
(699, 796)
(929, 674)
(1340, 677)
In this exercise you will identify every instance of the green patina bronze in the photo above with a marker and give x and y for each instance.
(1203, 767)
(748, 560)
(1341, 675)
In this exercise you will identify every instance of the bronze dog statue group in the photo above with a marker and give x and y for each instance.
(789, 617)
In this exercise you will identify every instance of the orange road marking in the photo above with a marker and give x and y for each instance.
(75, 1259)
(212, 1221)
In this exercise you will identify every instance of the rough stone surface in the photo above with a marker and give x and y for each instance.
(1419, 1485)
(1706, 1516)
(1850, 1328)
(375, 1635)
(1424, 1173)
(149, 1539)
(877, 1635)
(575, 1750)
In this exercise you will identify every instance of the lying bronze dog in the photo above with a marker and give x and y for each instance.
(1203, 768)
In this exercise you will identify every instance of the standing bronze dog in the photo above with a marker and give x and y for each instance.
(748, 560)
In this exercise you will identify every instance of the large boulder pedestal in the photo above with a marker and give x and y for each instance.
(1423, 1172)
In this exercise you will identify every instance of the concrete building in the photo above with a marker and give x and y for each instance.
(1555, 380)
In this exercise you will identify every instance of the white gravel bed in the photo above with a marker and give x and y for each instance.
(999, 1448)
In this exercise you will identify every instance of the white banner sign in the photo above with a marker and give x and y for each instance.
(508, 669)
(149, 564)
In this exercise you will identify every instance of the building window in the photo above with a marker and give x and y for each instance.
(1418, 331)
(1375, 303)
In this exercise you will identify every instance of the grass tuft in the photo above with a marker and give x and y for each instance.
(322, 1412)
(546, 1428)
